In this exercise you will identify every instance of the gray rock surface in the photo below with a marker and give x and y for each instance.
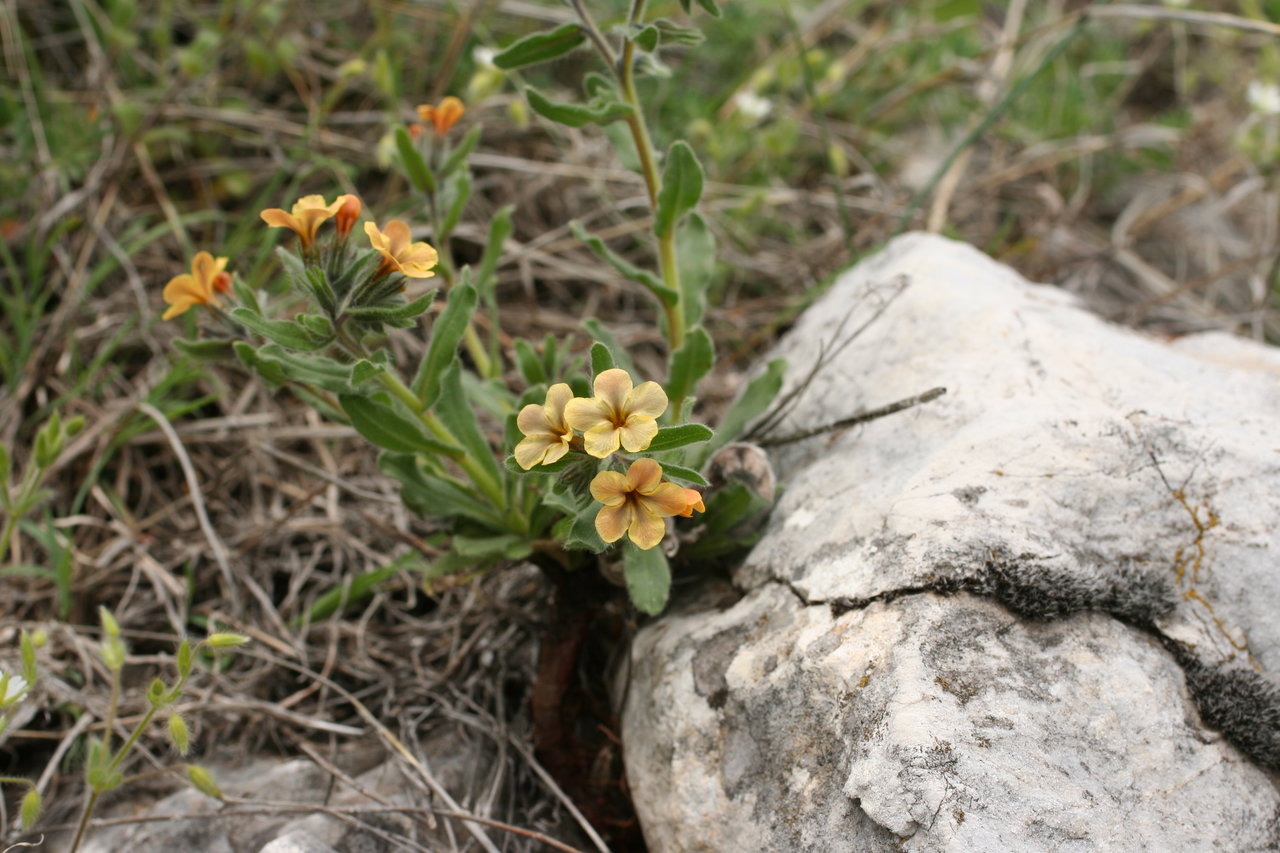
(1019, 617)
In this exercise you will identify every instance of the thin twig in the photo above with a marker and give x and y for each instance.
(197, 500)
(860, 418)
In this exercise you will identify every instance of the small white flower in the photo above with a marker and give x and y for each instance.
(752, 105)
(14, 688)
(1263, 98)
(484, 56)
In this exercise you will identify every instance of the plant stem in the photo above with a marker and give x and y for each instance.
(486, 484)
(84, 821)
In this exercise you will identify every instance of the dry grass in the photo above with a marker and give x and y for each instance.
(198, 496)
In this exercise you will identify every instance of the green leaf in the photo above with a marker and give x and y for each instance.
(692, 361)
(317, 283)
(317, 370)
(205, 350)
(460, 194)
(445, 336)
(388, 424)
(711, 7)
(681, 187)
(499, 231)
(364, 370)
(580, 532)
(285, 332)
(293, 268)
(600, 333)
(696, 248)
(598, 111)
(601, 359)
(414, 164)
(355, 590)
(394, 312)
(675, 34)
(671, 437)
(628, 270)
(531, 367)
(244, 294)
(751, 403)
(648, 577)
(459, 416)
(688, 475)
(459, 155)
(430, 495)
(646, 38)
(541, 47)
(506, 546)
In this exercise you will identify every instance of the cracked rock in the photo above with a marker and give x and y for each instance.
(1037, 613)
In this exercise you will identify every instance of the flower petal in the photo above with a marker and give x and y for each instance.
(610, 488)
(646, 399)
(601, 441)
(664, 501)
(558, 396)
(398, 235)
(612, 521)
(644, 475)
(533, 450)
(638, 433)
(277, 218)
(646, 530)
(557, 451)
(533, 419)
(584, 413)
(612, 386)
(376, 238)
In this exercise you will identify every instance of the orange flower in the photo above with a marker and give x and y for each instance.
(618, 414)
(414, 260)
(347, 215)
(198, 287)
(547, 436)
(305, 219)
(636, 503)
(444, 116)
(692, 501)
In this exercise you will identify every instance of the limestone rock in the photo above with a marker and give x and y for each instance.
(1018, 617)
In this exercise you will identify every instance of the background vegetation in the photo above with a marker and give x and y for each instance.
(1127, 152)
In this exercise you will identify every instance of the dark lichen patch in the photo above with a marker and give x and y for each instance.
(969, 495)
(1241, 703)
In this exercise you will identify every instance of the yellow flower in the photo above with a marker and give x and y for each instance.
(307, 216)
(692, 501)
(198, 287)
(414, 260)
(618, 414)
(636, 503)
(444, 116)
(547, 436)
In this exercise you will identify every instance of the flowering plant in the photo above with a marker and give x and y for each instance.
(566, 456)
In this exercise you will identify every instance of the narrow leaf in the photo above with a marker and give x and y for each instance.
(446, 334)
(696, 247)
(671, 437)
(541, 47)
(459, 155)
(285, 332)
(599, 111)
(394, 312)
(648, 578)
(390, 426)
(599, 332)
(531, 367)
(414, 164)
(681, 187)
(688, 475)
(623, 266)
(429, 495)
(601, 359)
(459, 416)
(692, 361)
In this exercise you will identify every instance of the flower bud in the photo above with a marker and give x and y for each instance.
(226, 640)
(30, 811)
(179, 734)
(347, 215)
(204, 781)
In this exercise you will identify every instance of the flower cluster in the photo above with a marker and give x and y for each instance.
(394, 242)
(621, 415)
